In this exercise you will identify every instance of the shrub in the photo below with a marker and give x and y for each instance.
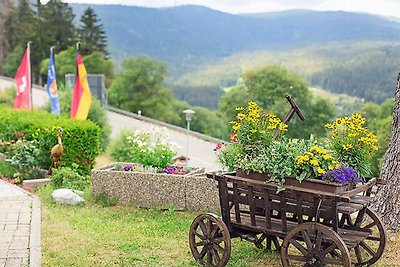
(119, 147)
(80, 138)
(148, 149)
(23, 156)
(66, 177)
(96, 114)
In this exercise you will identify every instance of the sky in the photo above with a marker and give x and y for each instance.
(381, 7)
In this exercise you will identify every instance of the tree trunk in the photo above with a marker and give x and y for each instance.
(387, 201)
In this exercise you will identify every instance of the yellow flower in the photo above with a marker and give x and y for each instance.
(314, 162)
(321, 171)
(347, 146)
(236, 127)
(262, 131)
(283, 127)
(240, 116)
(327, 156)
(253, 130)
(339, 121)
(232, 122)
(331, 168)
(239, 108)
(329, 126)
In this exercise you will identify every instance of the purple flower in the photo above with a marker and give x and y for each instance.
(128, 167)
(175, 170)
(343, 175)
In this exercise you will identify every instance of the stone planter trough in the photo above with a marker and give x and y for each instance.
(193, 191)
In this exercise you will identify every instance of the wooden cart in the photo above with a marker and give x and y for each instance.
(317, 228)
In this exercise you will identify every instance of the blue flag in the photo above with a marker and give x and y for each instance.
(51, 86)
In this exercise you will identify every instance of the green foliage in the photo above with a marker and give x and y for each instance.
(204, 96)
(139, 87)
(352, 144)
(66, 177)
(267, 87)
(23, 156)
(96, 114)
(119, 147)
(80, 138)
(7, 96)
(12, 61)
(95, 63)
(7, 169)
(142, 147)
(379, 120)
(91, 33)
(229, 155)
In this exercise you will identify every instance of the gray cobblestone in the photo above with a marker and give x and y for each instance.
(19, 227)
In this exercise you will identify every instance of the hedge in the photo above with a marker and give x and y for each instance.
(80, 138)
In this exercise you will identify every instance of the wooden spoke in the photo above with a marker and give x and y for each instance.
(358, 254)
(328, 250)
(320, 242)
(367, 248)
(368, 251)
(203, 252)
(297, 245)
(215, 255)
(210, 241)
(200, 235)
(306, 238)
(297, 258)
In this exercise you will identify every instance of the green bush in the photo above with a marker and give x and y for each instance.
(66, 177)
(23, 156)
(80, 138)
(96, 115)
(142, 147)
(7, 96)
(119, 147)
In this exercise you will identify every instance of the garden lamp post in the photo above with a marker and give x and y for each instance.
(189, 114)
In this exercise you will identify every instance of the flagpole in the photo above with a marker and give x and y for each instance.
(30, 73)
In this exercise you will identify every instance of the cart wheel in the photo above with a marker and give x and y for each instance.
(210, 241)
(368, 251)
(314, 244)
(265, 242)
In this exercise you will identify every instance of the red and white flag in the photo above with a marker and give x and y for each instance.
(23, 82)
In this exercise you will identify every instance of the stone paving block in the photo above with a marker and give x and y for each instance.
(15, 262)
(2, 262)
(18, 253)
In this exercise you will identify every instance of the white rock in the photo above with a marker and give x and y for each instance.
(66, 196)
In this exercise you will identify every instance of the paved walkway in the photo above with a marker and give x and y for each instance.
(20, 228)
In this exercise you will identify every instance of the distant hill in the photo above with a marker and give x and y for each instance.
(343, 52)
(195, 34)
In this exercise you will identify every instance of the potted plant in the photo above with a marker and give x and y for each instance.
(259, 150)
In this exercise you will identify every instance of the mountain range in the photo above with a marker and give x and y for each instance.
(192, 38)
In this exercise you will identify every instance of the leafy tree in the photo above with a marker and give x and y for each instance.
(13, 60)
(58, 22)
(139, 87)
(5, 8)
(268, 86)
(65, 62)
(91, 33)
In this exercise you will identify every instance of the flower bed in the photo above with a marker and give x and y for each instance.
(191, 191)
(259, 150)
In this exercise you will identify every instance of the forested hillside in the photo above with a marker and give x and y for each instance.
(366, 70)
(207, 50)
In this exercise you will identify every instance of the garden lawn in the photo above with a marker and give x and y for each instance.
(95, 235)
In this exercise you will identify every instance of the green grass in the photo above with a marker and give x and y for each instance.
(93, 235)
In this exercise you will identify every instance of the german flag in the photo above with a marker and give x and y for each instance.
(81, 97)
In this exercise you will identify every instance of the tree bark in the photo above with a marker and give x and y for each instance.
(387, 200)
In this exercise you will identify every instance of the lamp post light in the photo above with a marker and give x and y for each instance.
(189, 114)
